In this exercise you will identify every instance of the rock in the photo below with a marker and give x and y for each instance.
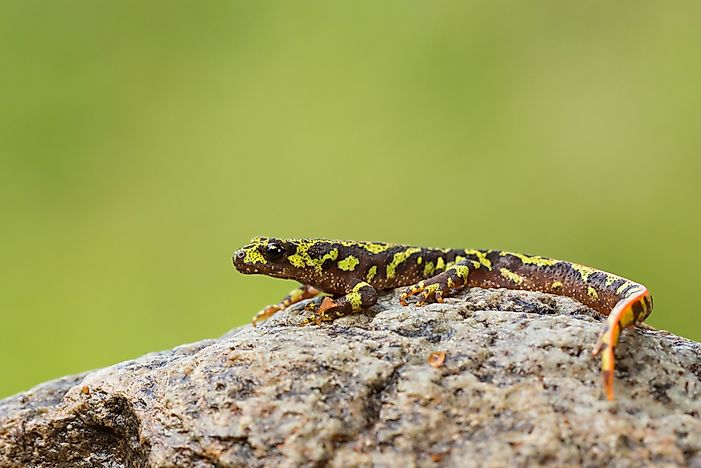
(518, 386)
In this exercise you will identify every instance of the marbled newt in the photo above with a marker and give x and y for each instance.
(353, 272)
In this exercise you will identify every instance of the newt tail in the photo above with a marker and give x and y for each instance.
(352, 273)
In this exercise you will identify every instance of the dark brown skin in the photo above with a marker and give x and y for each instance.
(353, 273)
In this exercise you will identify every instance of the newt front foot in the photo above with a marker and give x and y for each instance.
(265, 314)
(322, 309)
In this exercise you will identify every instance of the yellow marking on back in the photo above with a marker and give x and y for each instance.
(481, 256)
(556, 284)
(440, 263)
(611, 278)
(349, 263)
(584, 271)
(592, 293)
(510, 275)
(302, 259)
(376, 248)
(428, 269)
(371, 273)
(372, 247)
(531, 260)
(419, 260)
(398, 259)
(331, 255)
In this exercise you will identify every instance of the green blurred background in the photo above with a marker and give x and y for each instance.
(142, 142)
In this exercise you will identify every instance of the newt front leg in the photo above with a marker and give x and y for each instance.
(296, 295)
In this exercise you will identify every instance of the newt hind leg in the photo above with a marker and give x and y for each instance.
(629, 312)
(437, 287)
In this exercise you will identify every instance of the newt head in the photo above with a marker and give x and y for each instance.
(266, 256)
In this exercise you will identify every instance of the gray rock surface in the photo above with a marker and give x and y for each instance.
(518, 387)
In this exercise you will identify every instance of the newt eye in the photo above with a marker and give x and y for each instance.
(274, 252)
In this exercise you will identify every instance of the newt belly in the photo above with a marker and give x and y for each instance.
(352, 273)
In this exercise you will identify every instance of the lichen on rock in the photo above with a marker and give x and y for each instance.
(515, 384)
